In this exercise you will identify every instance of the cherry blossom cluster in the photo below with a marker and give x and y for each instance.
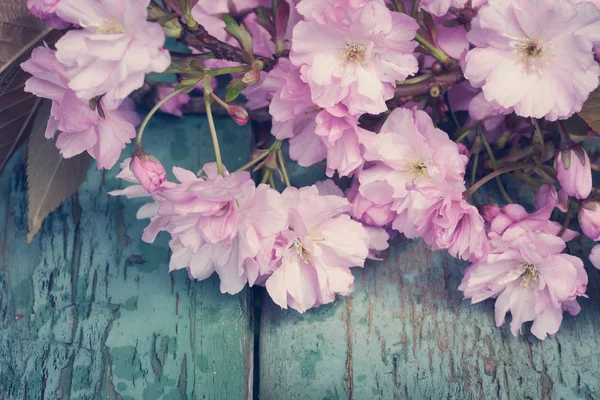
(410, 107)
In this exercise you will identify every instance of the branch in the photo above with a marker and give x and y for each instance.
(444, 82)
(200, 39)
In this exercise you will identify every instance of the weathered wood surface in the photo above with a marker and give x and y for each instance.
(406, 333)
(88, 311)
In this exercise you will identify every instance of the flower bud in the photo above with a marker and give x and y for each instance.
(589, 219)
(238, 114)
(251, 77)
(574, 172)
(148, 171)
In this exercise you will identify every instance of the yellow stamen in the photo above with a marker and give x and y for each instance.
(529, 276)
(110, 26)
(354, 52)
(533, 54)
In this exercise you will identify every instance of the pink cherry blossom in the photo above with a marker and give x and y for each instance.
(411, 153)
(589, 219)
(366, 210)
(453, 224)
(317, 251)
(343, 139)
(208, 206)
(46, 11)
(148, 171)
(217, 224)
(542, 70)
(175, 104)
(81, 128)
(527, 274)
(574, 173)
(356, 63)
(115, 49)
(515, 215)
(293, 114)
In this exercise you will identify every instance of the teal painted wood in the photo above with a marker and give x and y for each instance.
(406, 333)
(89, 311)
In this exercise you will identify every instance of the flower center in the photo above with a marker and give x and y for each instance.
(300, 251)
(354, 52)
(416, 169)
(529, 276)
(110, 26)
(533, 54)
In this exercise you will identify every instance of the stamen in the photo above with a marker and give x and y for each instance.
(354, 52)
(300, 250)
(110, 26)
(416, 169)
(533, 54)
(529, 276)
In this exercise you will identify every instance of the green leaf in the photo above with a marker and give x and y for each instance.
(240, 34)
(19, 31)
(17, 112)
(591, 110)
(234, 88)
(50, 177)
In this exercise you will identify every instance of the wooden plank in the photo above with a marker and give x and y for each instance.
(406, 333)
(90, 311)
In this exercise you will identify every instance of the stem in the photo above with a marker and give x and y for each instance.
(534, 183)
(567, 218)
(254, 161)
(266, 176)
(475, 163)
(437, 53)
(211, 124)
(271, 181)
(225, 71)
(415, 9)
(452, 113)
(274, 147)
(199, 38)
(138, 140)
(283, 168)
(399, 7)
(492, 175)
(463, 135)
(539, 136)
(416, 79)
(218, 100)
(488, 148)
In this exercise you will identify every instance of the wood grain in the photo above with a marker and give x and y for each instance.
(89, 311)
(406, 333)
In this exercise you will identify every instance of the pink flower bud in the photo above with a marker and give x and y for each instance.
(574, 172)
(589, 219)
(238, 114)
(148, 171)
